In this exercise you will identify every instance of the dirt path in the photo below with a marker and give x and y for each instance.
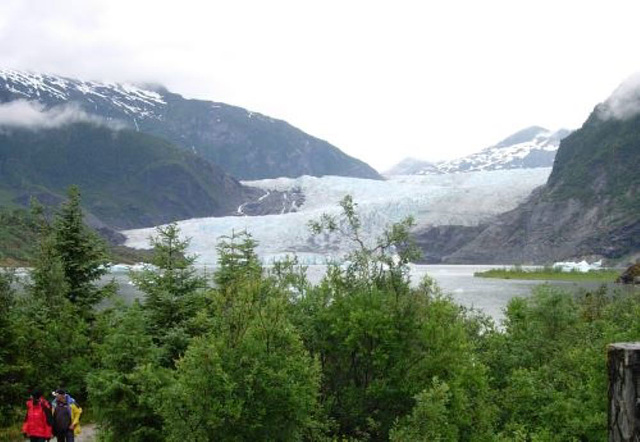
(88, 434)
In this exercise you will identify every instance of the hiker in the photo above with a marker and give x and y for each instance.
(37, 422)
(66, 417)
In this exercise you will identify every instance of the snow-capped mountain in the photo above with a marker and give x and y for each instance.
(529, 148)
(413, 166)
(245, 144)
(134, 102)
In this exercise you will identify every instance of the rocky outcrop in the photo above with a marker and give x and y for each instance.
(630, 276)
(273, 202)
(539, 232)
(437, 243)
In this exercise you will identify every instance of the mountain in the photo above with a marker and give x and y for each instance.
(245, 144)
(588, 208)
(127, 178)
(529, 148)
(413, 166)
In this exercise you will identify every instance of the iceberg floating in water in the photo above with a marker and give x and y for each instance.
(582, 266)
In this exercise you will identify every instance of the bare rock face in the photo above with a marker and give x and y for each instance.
(439, 242)
(542, 231)
(272, 202)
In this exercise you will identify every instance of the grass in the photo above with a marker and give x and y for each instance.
(11, 434)
(550, 274)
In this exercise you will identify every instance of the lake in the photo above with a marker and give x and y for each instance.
(488, 295)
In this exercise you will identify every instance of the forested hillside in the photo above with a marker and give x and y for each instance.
(128, 179)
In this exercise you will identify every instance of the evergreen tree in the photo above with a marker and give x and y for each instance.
(9, 385)
(128, 379)
(173, 292)
(82, 253)
(237, 260)
(49, 322)
(48, 280)
(46, 322)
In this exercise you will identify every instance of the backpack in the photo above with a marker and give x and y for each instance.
(48, 414)
(36, 412)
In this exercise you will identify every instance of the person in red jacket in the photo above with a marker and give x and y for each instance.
(37, 422)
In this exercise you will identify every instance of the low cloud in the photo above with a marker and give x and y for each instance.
(624, 103)
(34, 115)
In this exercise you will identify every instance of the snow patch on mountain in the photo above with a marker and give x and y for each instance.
(131, 99)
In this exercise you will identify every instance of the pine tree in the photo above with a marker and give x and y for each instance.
(81, 251)
(237, 260)
(8, 387)
(127, 378)
(172, 291)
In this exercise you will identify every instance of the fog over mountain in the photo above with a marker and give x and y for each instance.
(624, 102)
(34, 115)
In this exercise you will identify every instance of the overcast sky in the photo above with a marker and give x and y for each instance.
(380, 80)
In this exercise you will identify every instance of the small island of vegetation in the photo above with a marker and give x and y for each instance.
(548, 273)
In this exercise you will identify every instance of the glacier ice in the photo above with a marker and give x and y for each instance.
(462, 199)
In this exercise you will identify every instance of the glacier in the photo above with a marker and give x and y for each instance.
(455, 199)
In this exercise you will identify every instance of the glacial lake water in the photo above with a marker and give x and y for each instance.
(488, 295)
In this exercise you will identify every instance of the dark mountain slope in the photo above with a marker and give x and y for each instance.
(128, 179)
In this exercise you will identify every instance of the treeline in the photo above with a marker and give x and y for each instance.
(254, 354)
(20, 233)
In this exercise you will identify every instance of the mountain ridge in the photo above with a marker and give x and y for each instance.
(246, 144)
(531, 147)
